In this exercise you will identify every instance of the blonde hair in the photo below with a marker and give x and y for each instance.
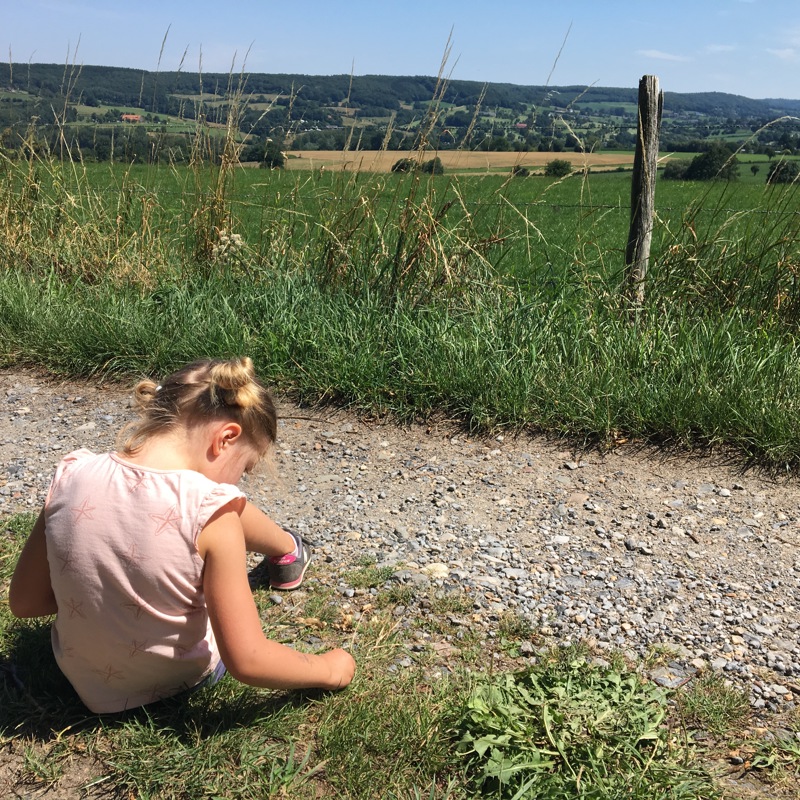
(200, 392)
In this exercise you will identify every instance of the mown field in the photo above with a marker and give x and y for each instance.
(458, 161)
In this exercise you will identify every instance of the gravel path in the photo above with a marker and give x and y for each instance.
(629, 550)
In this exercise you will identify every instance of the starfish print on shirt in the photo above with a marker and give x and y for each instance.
(133, 557)
(137, 607)
(159, 693)
(74, 607)
(134, 480)
(136, 647)
(66, 562)
(83, 510)
(168, 520)
(109, 673)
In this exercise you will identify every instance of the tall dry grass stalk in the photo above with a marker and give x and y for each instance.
(419, 246)
(53, 218)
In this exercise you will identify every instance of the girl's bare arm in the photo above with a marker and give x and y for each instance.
(247, 654)
(262, 535)
(30, 593)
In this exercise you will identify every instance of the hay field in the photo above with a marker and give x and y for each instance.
(453, 160)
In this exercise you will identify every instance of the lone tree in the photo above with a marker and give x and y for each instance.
(267, 153)
(717, 163)
(783, 172)
(558, 168)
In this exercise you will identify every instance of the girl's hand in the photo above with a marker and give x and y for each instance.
(342, 667)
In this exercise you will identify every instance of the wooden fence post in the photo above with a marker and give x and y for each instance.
(643, 188)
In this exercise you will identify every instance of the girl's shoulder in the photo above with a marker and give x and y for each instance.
(80, 456)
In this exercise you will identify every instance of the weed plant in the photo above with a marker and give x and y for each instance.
(569, 729)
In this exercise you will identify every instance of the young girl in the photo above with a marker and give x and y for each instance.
(141, 553)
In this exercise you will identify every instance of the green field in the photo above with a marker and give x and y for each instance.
(544, 227)
(494, 300)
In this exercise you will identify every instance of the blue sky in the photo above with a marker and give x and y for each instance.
(749, 47)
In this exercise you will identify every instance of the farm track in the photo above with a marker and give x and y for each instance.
(662, 548)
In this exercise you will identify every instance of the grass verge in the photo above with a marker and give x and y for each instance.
(587, 373)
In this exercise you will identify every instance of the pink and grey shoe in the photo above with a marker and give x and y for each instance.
(287, 572)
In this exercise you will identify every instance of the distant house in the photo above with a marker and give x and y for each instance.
(131, 117)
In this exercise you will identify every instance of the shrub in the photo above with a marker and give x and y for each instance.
(518, 171)
(558, 168)
(675, 170)
(433, 166)
(783, 172)
(403, 165)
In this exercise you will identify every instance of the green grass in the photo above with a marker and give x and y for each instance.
(672, 377)
(494, 301)
(713, 705)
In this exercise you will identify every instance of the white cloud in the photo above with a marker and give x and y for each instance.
(662, 56)
(784, 54)
(720, 48)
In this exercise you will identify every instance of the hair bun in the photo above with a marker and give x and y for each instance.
(234, 382)
(232, 374)
(208, 389)
(144, 393)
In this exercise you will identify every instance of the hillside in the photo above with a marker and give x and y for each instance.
(370, 112)
(129, 87)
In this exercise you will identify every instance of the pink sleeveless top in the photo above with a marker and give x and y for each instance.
(132, 625)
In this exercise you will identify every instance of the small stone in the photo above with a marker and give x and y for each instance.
(577, 499)
(436, 570)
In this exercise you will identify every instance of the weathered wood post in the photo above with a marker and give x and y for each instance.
(643, 188)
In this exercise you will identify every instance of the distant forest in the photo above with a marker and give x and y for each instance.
(110, 112)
